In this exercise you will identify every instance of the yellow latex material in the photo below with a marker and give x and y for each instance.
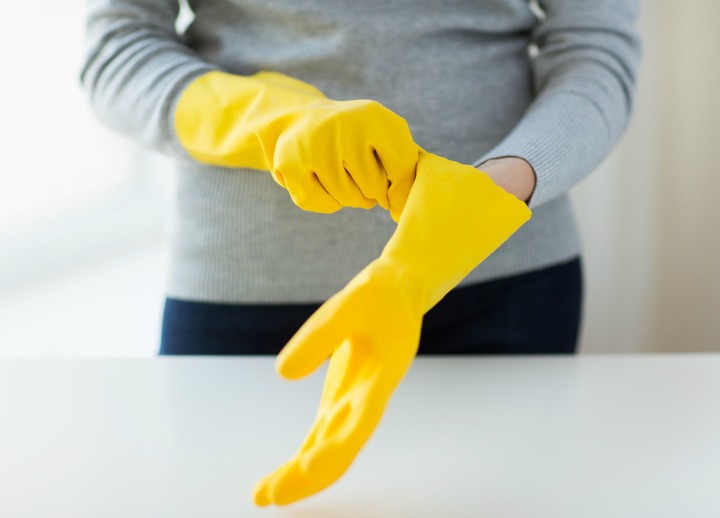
(455, 217)
(328, 154)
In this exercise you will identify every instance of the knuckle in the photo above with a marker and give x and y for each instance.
(279, 177)
(302, 200)
(374, 107)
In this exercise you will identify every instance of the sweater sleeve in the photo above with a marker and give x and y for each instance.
(136, 66)
(584, 77)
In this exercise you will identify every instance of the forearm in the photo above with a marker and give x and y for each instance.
(135, 67)
(584, 75)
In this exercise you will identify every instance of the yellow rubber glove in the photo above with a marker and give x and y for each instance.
(455, 217)
(328, 154)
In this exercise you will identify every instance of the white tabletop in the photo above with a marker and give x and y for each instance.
(590, 436)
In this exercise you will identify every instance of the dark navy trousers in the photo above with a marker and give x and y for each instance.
(532, 313)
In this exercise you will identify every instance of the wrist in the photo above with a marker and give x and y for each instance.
(514, 174)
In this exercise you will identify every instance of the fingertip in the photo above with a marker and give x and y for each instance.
(294, 486)
(279, 178)
(370, 204)
(330, 208)
(310, 347)
(398, 199)
(395, 214)
(261, 494)
(282, 487)
(293, 362)
(319, 201)
(283, 499)
(286, 369)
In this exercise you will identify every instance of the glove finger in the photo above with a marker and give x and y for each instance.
(296, 482)
(339, 183)
(341, 437)
(401, 175)
(292, 170)
(368, 174)
(279, 178)
(265, 491)
(292, 483)
(398, 154)
(361, 387)
(341, 374)
(261, 492)
(312, 344)
(310, 195)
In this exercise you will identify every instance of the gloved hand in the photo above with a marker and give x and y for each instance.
(327, 154)
(455, 217)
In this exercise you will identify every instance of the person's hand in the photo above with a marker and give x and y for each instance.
(454, 218)
(328, 154)
(371, 328)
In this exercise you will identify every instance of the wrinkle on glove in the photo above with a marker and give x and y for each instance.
(455, 217)
(327, 154)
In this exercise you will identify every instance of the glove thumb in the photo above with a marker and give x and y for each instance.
(312, 344)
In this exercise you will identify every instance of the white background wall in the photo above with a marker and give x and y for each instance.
(650, 215)
(82, 210)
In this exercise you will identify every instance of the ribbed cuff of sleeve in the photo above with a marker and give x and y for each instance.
(563, 136)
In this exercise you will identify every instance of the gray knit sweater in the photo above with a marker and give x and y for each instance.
(459, 71)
